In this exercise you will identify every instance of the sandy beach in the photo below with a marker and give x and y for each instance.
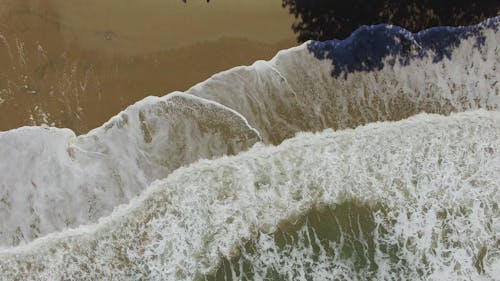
(77, 63)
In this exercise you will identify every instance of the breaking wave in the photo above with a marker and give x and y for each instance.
(411, 199)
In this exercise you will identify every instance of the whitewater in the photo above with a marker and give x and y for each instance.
(376, 157)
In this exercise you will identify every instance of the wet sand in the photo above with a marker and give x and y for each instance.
(73, 63)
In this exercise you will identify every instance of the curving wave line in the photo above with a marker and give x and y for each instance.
(298, 90)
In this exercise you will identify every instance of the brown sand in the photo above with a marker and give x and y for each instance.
(75, 63)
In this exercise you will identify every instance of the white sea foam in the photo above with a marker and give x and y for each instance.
(52, 179)
(416, 169)
(296, 92)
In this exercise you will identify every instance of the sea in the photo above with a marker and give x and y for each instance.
(376, 157)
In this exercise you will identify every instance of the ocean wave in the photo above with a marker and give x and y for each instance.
(374, 75)
(52, 179)
(434, 177)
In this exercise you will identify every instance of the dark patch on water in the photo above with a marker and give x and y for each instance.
(347, 230)
(368, 47)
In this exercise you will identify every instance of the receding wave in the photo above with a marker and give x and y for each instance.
(414, 199)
